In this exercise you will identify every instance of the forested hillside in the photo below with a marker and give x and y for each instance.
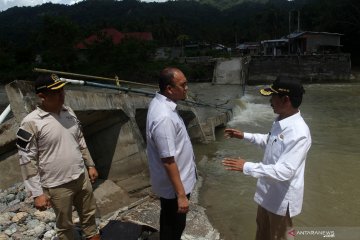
(52, 30)
(225, 4)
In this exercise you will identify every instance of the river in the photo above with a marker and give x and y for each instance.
(332, 194)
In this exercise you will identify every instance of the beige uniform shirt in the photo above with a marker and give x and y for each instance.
(52, 149)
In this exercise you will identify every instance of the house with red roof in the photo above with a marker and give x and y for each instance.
(114, 35)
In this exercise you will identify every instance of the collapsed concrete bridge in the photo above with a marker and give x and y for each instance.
(114, 128)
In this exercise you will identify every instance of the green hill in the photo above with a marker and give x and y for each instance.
(52, 30)
(226, 4)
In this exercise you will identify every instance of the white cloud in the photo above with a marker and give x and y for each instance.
(5, 4)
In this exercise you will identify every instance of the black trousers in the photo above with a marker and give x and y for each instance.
(172, 223)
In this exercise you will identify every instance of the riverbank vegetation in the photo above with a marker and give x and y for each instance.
(45, 36)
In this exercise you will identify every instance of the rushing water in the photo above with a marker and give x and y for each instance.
(332, 177)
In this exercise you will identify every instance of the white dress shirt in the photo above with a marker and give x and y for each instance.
(281, 173)
(167, 136)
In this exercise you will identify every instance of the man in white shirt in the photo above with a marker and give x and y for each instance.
(170, 154)
(55, 162)
(280, 185)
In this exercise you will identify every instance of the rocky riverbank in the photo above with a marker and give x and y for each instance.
(19, 220)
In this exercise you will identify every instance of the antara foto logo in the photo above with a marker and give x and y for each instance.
(292, 232)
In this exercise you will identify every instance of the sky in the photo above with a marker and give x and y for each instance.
(5, 4)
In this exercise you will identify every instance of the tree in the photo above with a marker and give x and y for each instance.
(181, 39)
(56, 42)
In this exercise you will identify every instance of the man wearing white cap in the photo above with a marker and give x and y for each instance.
(280, 185)
(55, 162)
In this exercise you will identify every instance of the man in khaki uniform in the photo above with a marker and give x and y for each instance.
(55, 162)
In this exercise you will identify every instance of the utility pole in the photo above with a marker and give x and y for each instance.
(289, 21)
(289, 32)
(298, 20)
(290, 10)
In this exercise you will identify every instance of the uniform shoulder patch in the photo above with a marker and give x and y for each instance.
(23, 139)
(24, 135)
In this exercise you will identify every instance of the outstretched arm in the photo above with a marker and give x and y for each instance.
(234, 164)
(233, 133)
